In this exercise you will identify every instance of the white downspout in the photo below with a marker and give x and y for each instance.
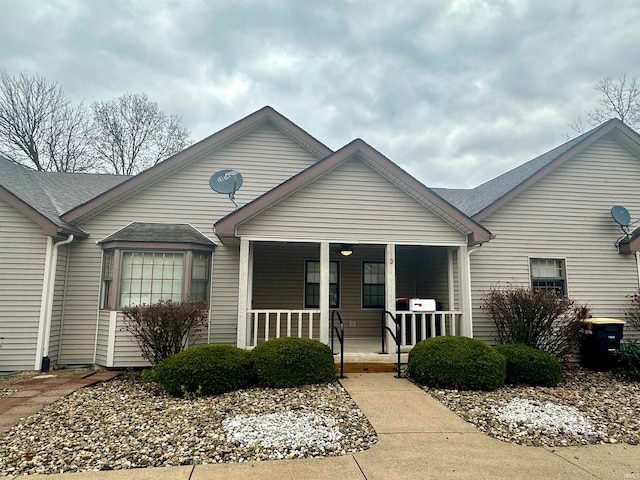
(638, 266)
(46, 308)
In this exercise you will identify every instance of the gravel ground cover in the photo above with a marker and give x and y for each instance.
(129, 423)
(586, 408)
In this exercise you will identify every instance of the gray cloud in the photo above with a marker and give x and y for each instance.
(455, 92)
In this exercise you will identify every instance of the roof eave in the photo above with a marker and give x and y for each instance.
(48, 227)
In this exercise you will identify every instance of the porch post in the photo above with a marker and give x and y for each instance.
(243, 292)
(324, 292)
(466, 327)
(451, 280)
(390, 289)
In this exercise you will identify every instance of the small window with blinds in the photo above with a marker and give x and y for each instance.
(549, 274)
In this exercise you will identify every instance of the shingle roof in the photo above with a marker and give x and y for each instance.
(158, 232)
(50, 193)
(472, 201)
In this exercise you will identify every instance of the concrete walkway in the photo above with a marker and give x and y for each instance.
(419, 438)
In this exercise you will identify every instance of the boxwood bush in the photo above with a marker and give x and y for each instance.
(456, 362)
(529, 365)
(290, 362)
(207, 369)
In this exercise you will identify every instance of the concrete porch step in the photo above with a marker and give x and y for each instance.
(363, 367)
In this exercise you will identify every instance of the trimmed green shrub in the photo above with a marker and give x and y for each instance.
(628, 360)
(456, 362)
(207, 369)
(291, 361)
(530, 366)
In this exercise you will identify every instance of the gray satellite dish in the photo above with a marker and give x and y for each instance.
(621, 215)
(226, 181)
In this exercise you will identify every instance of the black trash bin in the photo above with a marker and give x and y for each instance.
(600, 341)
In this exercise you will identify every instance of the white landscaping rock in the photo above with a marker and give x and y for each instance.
(289, 430)
(546, 417)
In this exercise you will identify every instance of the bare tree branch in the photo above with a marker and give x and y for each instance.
(37, 120)
(132, 134)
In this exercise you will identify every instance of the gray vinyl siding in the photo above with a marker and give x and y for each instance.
(103, 338)
(352, 203)
(126, 352)
(81, 304)
(58, 304)
(265, 157)
(566, 215)
(224, 295)
(22, 255)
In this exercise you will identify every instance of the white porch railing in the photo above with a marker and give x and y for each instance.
(414, 326)
(266, 324)
(417, 326)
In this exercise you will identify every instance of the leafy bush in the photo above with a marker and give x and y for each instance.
(456, 362)
(204, 370)
(632, 313)
(628, 360)
(290, 362)
(529, 365)
(162, 329)
(537, 318)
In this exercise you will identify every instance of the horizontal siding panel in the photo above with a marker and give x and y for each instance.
(352, 203)
(22, 254)
(224, 295)
(127, 353)
(566, 215)
(58, 304)
(102, 341)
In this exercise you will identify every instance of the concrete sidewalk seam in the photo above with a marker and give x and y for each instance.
(574, 464)
(359, 467)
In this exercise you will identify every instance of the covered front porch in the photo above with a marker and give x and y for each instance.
(305, 289)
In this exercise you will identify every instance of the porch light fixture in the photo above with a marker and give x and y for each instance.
(346, 250)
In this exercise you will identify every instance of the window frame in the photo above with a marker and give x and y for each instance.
(110, 294)
(308, 305)
(556, 283)
(378, 284)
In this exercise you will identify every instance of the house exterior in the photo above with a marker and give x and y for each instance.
(75, 249)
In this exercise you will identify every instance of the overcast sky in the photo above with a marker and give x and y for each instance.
(455, 92)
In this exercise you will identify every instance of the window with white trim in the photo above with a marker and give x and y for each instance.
(549, 274)
(373, 285)
(312, 284)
